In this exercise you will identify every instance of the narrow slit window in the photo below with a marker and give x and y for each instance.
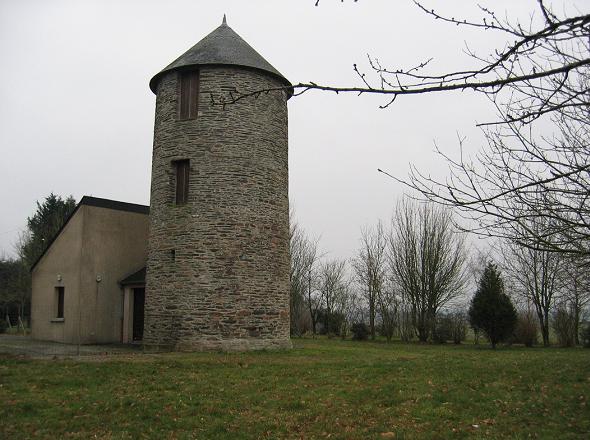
(182, 176)
(189, 94)
(60, 302)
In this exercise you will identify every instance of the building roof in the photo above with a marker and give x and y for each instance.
(100, 203)
(223, 46)
(114, 204)
(135, 278)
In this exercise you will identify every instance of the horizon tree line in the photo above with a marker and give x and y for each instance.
(412, 280)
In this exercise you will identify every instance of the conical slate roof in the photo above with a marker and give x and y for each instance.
(223, 46)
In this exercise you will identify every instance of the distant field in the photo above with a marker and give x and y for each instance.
(322, 388)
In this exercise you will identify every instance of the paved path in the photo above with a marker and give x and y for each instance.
(24, 345)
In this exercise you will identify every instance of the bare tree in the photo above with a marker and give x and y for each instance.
(576, 291)
(536, 275)
(332, 284)
(526, 327)
(388, 304)
(536, 163)
(563, 322)
(304, 256)
(406, 329)
(347, 306)
(369, 267)
(551, 49)
(313, 299)
(427, 257)
(520, 177)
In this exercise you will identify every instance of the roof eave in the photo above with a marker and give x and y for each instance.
(156, 79)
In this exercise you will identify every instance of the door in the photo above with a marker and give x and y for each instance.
(138, 302)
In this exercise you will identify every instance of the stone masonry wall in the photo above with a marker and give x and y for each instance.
(218, 267)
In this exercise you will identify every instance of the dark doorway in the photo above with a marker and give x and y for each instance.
(138, 303)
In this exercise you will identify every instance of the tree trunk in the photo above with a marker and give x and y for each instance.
(545, 332)
(576, 320)
(310, 305)
(328, 314)
(372, 316)
(544, 325)
(422, 333)
(421, 325)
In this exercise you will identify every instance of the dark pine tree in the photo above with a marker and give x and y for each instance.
(44, 225)
(491, 310)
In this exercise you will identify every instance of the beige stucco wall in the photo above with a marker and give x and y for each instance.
(61, 259)
(98, 243)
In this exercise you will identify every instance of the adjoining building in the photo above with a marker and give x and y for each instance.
(217, 263)
(82, 291)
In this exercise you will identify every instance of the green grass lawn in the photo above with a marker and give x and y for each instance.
(320, 389)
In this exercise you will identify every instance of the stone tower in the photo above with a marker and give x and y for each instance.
(218, 263)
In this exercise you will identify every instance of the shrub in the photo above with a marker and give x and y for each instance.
(387, 331)
(565, 327)
(443, 329)
(360, 331)
(526, 330)
(388, 324)
(332, 323)
(450, 326)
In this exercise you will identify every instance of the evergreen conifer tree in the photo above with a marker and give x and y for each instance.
(491, 310)
(44, 225)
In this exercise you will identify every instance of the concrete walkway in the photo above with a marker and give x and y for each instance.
(25, 346)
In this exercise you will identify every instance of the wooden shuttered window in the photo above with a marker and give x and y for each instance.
(60, 302)
(182, 177)
(189, 94)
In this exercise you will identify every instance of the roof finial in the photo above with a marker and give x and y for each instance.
(224, 22)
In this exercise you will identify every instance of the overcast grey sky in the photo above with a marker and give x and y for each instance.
(76, 112)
